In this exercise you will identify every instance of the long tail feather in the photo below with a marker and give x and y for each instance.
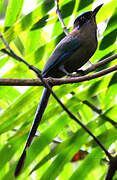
(38, 116)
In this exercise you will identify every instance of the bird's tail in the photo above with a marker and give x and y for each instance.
(38, 116)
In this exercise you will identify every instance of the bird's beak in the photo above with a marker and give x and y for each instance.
(95, 11)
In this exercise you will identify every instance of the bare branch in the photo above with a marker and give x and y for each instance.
(60, 18)
(13, 54)
(59, 81)
(112, 168)
(101, 63)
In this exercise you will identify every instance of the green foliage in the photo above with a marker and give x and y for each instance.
(34, 36)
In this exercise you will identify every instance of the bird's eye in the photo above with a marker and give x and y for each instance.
(89, 16)
(82, 19)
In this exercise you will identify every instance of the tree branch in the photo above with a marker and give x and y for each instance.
(13, 54)
(59, 81)
(60, 17)
(101, 63)
(112, 168)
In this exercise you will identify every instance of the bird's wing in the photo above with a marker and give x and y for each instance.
(64, 49)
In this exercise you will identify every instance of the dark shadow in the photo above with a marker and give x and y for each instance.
(39, 54)
(108, 40)
(113, 79)
(93, 88)
(84, 3)
(47, 5)
(67, 9)
(41, 23)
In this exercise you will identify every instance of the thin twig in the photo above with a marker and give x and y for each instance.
(101, 63)
(46, 85)
(60, 18)
(17, 57)
(13, 55)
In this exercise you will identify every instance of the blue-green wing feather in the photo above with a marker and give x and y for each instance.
(63, 50)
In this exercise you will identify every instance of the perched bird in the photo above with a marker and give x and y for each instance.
(70, 54)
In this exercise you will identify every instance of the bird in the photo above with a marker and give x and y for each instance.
(71, 53)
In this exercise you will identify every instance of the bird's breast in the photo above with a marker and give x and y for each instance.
(82, 54)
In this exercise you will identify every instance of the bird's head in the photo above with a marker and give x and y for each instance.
(86, 17)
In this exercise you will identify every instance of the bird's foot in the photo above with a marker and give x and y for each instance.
(80, 73)
(77, 74)
(71, 75)
(92, 66)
